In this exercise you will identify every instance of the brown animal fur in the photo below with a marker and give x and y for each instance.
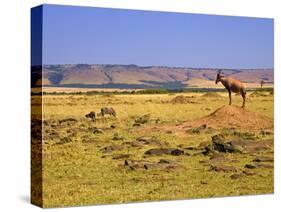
(232, 85)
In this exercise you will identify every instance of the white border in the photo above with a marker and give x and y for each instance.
(15, 83)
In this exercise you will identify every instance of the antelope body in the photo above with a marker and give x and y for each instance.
(232, 85)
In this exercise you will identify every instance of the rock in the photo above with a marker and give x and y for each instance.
(121, 156)
(137, 164)
(91, 115)
(248, 172)
(136, 125)
(222, 146)
(221, 168)
(177, 152)
(190, 148)
(68, 120)
(236, 176)
(113, 126)
(250, 166)
(165, 161)
(168, 151)
(263, 159)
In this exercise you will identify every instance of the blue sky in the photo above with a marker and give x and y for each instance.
(74, 35)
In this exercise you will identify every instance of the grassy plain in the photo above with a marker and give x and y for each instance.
(84, 161)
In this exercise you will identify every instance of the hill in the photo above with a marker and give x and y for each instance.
(133, 76)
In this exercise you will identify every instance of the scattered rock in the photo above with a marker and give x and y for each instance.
(222, 168)
(248, 172)
(67, 120)
(263, 159)
(250, 166)
(168, 151)
(91, 115)
(223, 146)
(120, 156)
(165, 161)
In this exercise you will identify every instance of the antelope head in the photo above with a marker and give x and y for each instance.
(219, 76)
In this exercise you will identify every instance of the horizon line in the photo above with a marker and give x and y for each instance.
(144, 66)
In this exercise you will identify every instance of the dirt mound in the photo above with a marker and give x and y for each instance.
(212, 95)
(182, 100)
(233, 116)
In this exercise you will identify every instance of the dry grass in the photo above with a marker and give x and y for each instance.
(77, 171)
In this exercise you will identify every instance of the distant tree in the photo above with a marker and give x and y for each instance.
(262, 83)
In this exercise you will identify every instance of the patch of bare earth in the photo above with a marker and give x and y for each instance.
(227, 117)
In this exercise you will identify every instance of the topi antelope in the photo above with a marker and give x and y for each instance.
(232, 85)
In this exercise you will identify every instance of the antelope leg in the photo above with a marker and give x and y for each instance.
(229, 92)
(244, 99)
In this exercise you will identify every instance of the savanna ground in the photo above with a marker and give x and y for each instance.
(157, 148)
